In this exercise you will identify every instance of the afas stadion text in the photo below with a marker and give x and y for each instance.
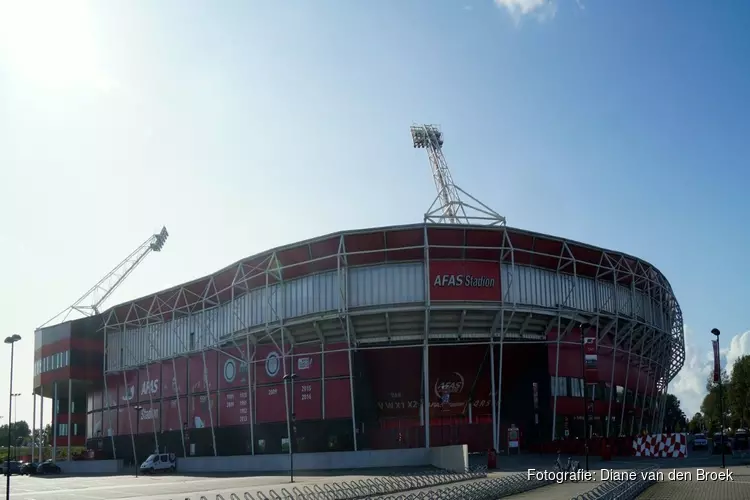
(464, 281)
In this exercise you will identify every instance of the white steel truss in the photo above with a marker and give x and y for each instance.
(449, 206)
(638, 342)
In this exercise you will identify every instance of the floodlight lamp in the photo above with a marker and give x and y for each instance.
(290, 376)
(13, 338)
(137, 407)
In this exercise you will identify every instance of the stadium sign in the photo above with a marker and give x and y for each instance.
(458, 280)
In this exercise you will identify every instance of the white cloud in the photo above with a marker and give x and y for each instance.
(738, 346)
(690, 384)
(542, 9)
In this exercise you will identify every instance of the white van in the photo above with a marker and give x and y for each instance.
(159, 462)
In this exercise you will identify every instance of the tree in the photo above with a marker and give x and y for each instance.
(696, 423)
(18, 430)
(739, 396)
(710, 409)
(674, 417)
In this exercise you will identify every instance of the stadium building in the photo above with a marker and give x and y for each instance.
(444, 332)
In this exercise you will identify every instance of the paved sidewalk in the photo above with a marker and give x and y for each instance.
(737, 489)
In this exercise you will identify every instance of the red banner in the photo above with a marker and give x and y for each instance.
(235, 408)
(464, 280)
(197, 375)
(307, 404)
(591, 374)
(337, 360)
(270, 404)
(203, 411)
(150, 379)
(338, 399)
(174, 417)
(717, 362)
(307, 359)
(149, 418)
(174, 374)
(128, 385)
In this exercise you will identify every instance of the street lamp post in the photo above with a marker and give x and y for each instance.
(137, 409)
(716, 332)
(291, 429)
(10, 340)
(585, 326)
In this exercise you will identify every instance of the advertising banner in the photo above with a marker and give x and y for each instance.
(459, 280)
(591, 374)
(717, 362)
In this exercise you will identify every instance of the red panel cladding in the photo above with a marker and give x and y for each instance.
(109, 422)
(198, 375)
(268, 367)
(337, 360)
(464, 280)
(396, 376)
(127, 387)
(201, 412)
(338, 399)
(96, 400)
(149, 418)
(233, 373)
(571, 357)
(235, 408)
(604, 362)
(174, 385)
(125, 418)
(149, 378)
(307, 361)
(453, 371)
(307, 403)
(171, 414)
(270, 405)
(110, 397)
(621, 371)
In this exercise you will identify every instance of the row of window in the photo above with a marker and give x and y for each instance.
(52, 362)
(601, 391)
(62, 430)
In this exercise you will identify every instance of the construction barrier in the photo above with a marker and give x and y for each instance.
(672, 445)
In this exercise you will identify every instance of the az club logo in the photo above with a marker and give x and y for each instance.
(230, 370)
(273, 364)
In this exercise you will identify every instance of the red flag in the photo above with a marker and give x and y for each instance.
(717, 362)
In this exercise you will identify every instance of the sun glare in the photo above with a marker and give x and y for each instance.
(49, 43)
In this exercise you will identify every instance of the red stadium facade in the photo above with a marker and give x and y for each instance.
(405, 336)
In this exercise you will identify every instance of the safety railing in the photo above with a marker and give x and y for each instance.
(359, 489)
(624, 489)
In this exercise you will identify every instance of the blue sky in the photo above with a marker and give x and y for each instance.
(243, 125)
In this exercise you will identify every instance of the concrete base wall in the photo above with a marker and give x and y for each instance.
(84, 467)
(448, 457)
(453, 458)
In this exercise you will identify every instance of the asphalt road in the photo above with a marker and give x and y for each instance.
(160, 487)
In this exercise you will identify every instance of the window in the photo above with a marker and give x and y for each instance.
(75, 429)
(576, 387)
(62, 430)
(559, 386)
(620, 395)
(192, 341)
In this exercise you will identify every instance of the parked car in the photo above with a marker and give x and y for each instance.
(15, 467)
(48, 467)
(163, 462)
(700, 442)
(720, 442)
(740, 442)
(29, 468)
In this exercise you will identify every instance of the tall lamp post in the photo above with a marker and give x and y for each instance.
(137, 409)
(584, 327)
(291, 425)
(716, 332)
(10, 340)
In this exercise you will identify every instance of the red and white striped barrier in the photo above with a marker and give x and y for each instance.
(672, 445)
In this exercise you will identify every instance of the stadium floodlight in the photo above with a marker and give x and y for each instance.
(449, 206)
(160, 239)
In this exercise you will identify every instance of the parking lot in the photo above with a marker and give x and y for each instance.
(160, 487)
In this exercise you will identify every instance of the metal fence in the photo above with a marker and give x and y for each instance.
(627, 489)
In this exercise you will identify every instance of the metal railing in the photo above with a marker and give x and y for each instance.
(625, 489)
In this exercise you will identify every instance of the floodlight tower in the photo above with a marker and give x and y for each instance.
(449, 207)
(90, 302)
